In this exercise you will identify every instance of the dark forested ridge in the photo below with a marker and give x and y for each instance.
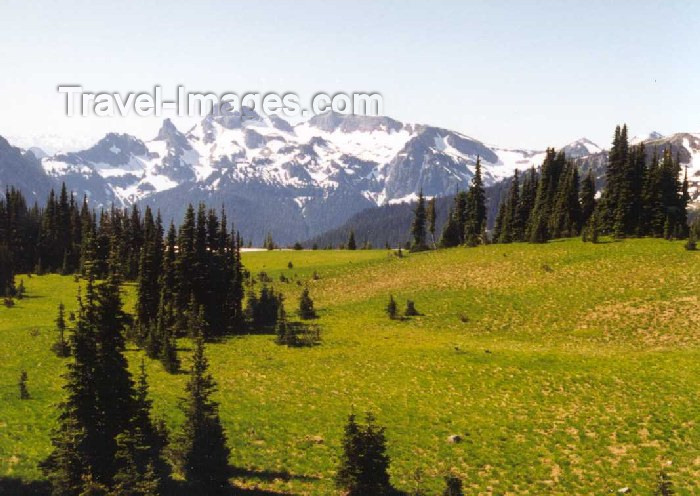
(390, 224)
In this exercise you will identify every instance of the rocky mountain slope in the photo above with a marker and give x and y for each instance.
(295, 181)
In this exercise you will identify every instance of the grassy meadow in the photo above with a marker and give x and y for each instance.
(565, 368)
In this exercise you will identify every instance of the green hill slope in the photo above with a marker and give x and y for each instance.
(565, 368)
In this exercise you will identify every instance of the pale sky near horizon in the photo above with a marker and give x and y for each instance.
(525, 74)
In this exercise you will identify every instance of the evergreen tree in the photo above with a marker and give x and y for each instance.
(142, 470)
(616, 191)
(692, 243)
(509, 223)
(165, 330)
(135, 239)
(683, 201)
(306, 305)
(594, 227)
(664, 486)
(148, 277)
(391, 309)
(262, 310)
(499, 225)
(269, 243)
(587, 197)
(453, 486)
(61, 347)
(185, 261)
(351, 245)
(202, 267)
(565, 217)
(76, 446)
(451, 231)
(235, 292)
(7, 276)
(364, 462)
(282, 328)
(514, 218)
(166, 322)
(475, 209)
(653, 215)
(113, 382)
(63, 234)
(22, 384)
(203, 452)
(411, 309)
(418, 226)
(671, 195)
(637, 177)
(547, 188)
(527, 201)
(431, 217)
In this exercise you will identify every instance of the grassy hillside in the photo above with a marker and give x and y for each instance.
(566, 368)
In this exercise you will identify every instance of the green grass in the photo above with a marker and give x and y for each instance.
(566, 368)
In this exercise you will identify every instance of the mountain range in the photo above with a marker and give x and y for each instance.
(294, 181)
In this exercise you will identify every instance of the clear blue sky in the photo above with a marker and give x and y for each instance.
(514, 73)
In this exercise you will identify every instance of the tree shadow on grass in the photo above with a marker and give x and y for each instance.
(257, 492)
(183, 489)
(31, 296)
(11, 486)
(270, 475)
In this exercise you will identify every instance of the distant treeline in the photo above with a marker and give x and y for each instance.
(642, 197)
(389, 224)
(197, 265)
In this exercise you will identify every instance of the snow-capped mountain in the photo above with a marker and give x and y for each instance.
(313, 175)
(294, 181)
(687, 146)
(654, 135)
(581, 148)
(22, 170)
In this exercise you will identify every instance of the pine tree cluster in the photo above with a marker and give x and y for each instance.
(106, 441)
(642, 197)
(466, 223)
(194, 270)
(105, 437)
(195, 266)
(546, 205)
(364, 462)
(263, 309)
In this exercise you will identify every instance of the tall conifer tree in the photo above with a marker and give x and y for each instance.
(475, 209)
(418, 226)
(203, 451)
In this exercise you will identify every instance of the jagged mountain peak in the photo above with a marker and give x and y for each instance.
(319, 171)
(581, 148)
(172, 136)
(37, 152)
(652, 136)
(305, 178)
